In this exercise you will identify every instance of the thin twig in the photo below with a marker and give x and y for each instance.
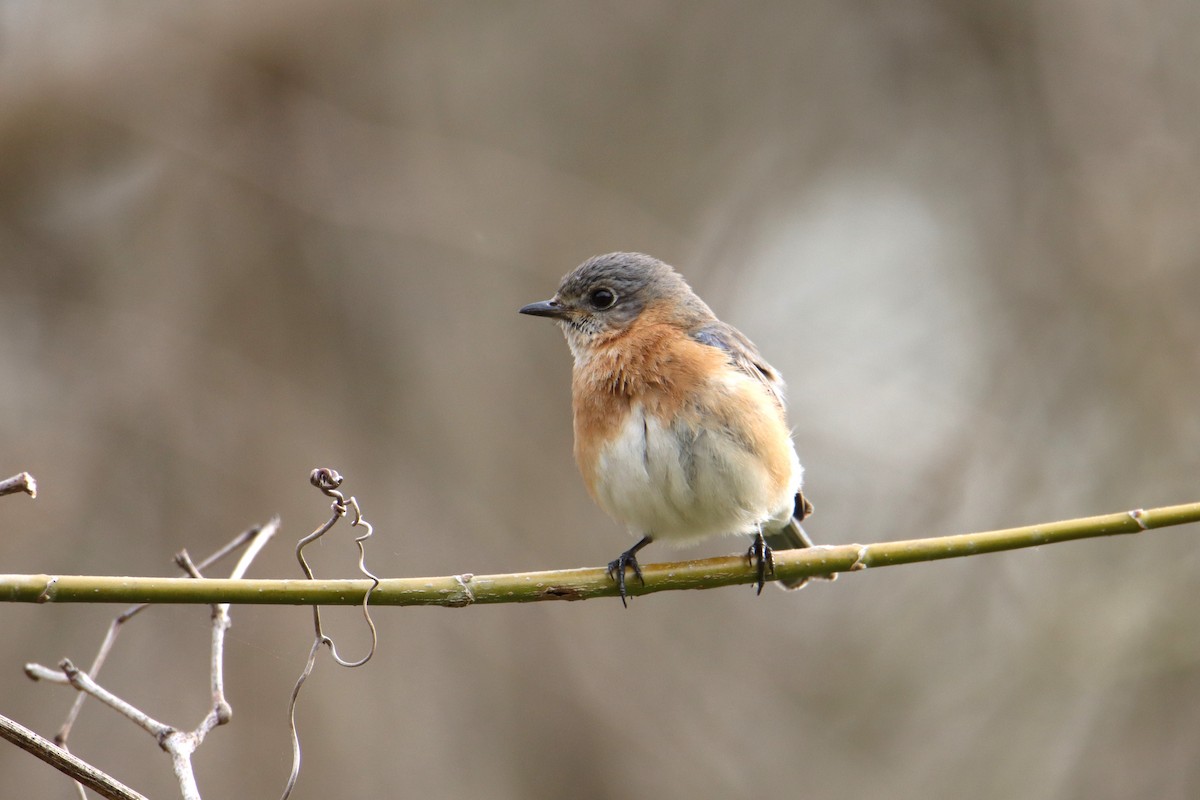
(60, 759)
(85, 683)
(577, 584)
(179, 744)
(21, 482)
(182, 744)
(38, 672)
(114, 630)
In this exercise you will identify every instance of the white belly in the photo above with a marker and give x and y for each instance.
(679, 485)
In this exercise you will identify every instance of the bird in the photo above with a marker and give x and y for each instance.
(680, 424)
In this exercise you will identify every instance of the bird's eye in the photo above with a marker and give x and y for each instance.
(602, 298)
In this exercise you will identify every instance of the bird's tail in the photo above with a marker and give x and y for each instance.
(793, 537)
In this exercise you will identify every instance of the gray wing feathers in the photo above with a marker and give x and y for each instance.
(743, 355)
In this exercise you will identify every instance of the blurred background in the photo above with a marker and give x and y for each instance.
(241, 241)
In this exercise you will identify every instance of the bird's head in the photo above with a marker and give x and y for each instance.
(604, 296)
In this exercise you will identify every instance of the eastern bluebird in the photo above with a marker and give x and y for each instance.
(680, 426)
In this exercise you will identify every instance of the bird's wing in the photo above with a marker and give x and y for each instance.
(742, 354)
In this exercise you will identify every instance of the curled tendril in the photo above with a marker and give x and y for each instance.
(329, 481)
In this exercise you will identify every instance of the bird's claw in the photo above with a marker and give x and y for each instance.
(762, 558)
(616, 571)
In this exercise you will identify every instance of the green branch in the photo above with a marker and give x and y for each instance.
(575, 584)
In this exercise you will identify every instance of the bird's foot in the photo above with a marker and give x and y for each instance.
(628, 559)
(763, 559)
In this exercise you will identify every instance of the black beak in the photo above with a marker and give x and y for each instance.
(546, 308)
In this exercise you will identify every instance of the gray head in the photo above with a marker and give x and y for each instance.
(604, 295)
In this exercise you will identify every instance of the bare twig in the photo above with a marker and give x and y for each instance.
(579, 584)
(21, 482)
(180, 745)
(38, 672)
(55, 756)
(114, 630)
(85, 683)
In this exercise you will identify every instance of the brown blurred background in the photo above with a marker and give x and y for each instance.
(240, 242)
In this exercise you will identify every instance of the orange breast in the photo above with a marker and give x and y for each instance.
(671, 377)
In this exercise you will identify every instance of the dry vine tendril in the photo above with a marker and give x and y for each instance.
(328, 481)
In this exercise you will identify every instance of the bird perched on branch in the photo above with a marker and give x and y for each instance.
(680, 427)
